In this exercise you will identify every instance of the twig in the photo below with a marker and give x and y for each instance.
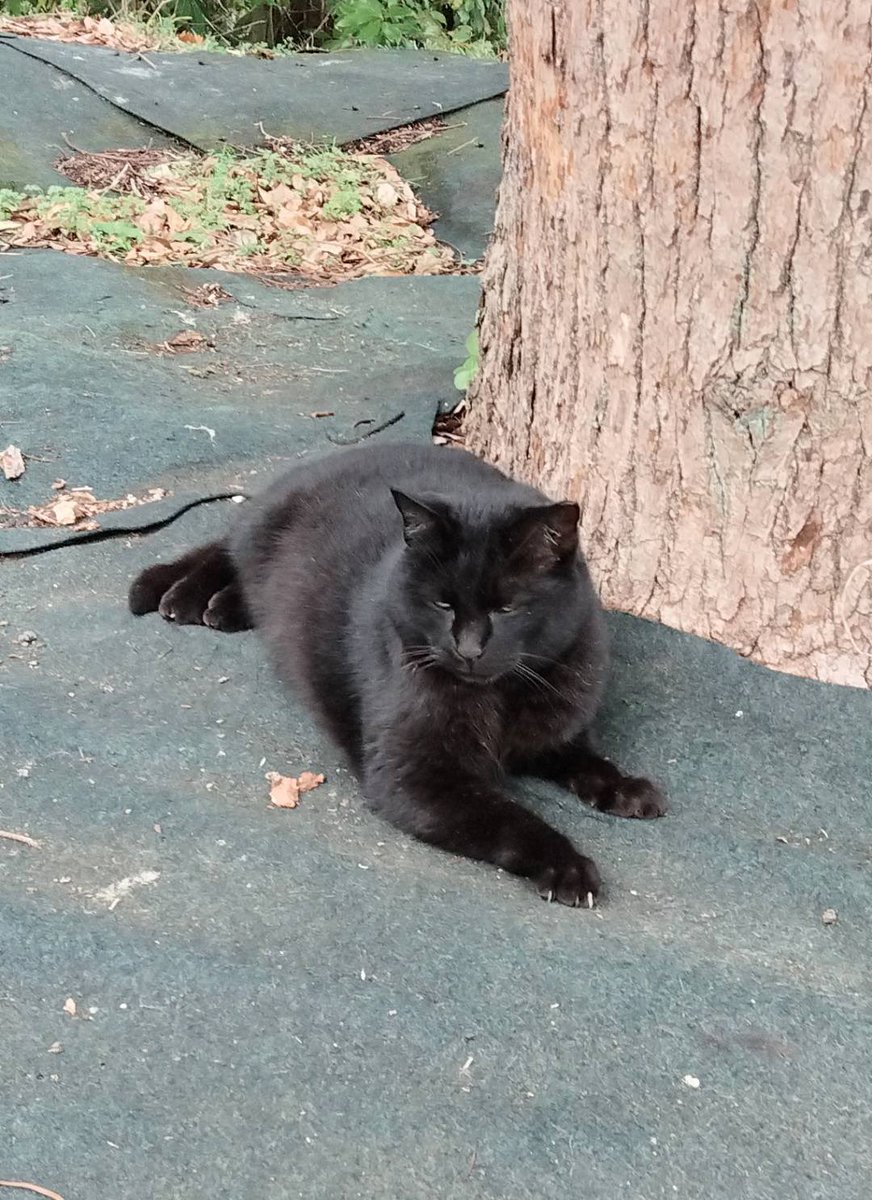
(25, 841)
(339, 441)
(31, 1187)
(116, 179)
(71, 146)
(305, 317)
(462, 146)
(147, 61)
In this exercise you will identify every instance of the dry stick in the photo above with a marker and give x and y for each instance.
(462, 146)
(77, 149)
(20, 837)
(115, 180)
(31, 1187)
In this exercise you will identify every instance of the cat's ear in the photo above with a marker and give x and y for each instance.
(423, 524)
(545, 535)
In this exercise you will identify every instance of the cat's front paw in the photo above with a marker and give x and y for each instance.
(575, 882)
(632, 797)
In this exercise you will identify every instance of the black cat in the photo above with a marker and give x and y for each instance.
(440, 621)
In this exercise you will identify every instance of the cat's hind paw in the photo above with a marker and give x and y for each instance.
(149, 586)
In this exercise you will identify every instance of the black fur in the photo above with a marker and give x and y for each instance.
(440, 621)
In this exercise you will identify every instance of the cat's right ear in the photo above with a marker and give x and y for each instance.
(423, 525)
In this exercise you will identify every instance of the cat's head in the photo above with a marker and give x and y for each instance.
(486, 595)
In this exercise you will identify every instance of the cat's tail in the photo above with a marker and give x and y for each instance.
(200, 588)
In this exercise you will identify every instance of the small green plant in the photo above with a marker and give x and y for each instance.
(108, 220)
(476, 26)
(9, 201)
(468, 369)
(344, 203)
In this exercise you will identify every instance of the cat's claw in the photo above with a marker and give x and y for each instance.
(574, 884)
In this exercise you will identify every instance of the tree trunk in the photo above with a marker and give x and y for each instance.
(676, 327)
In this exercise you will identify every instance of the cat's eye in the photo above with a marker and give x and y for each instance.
(443, 604)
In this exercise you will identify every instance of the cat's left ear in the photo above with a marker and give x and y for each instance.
(546, 535)
(425, 525)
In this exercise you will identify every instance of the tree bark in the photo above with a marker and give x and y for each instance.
(676, 327)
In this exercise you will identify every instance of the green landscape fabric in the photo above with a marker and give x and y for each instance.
(203, 997)
(210, 100)
(39, 106)
(91, 391)
(457, 173)
(304, 1003)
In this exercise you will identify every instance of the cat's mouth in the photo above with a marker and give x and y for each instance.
(471, 674)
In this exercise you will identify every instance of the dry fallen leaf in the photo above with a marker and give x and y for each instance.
(65, 511)
(208, 295)
(187, 340)
(78, 506)
(386, 194)
(70, 1006)
(12, 462)
(283, 792)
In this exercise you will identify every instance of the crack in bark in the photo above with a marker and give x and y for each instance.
(787, 281)
(759, 81)
(845, 216)
(603, 166)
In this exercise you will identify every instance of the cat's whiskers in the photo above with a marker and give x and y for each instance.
(539, 681)
(583, 677)
(418, 658)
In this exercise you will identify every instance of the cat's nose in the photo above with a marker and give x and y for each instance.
(470, 644)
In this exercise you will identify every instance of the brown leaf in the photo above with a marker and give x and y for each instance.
(290, 217)
(151, 251)
(284, 791)
(308, 781)
(153, 219)
(188, 35)
(70, 1007)
(243, 237)
(65, 512)
(428, 264)
(279, 196)
(208, 295)
(386, 195)
(186, 341)
(175, 222)
(12, 462)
